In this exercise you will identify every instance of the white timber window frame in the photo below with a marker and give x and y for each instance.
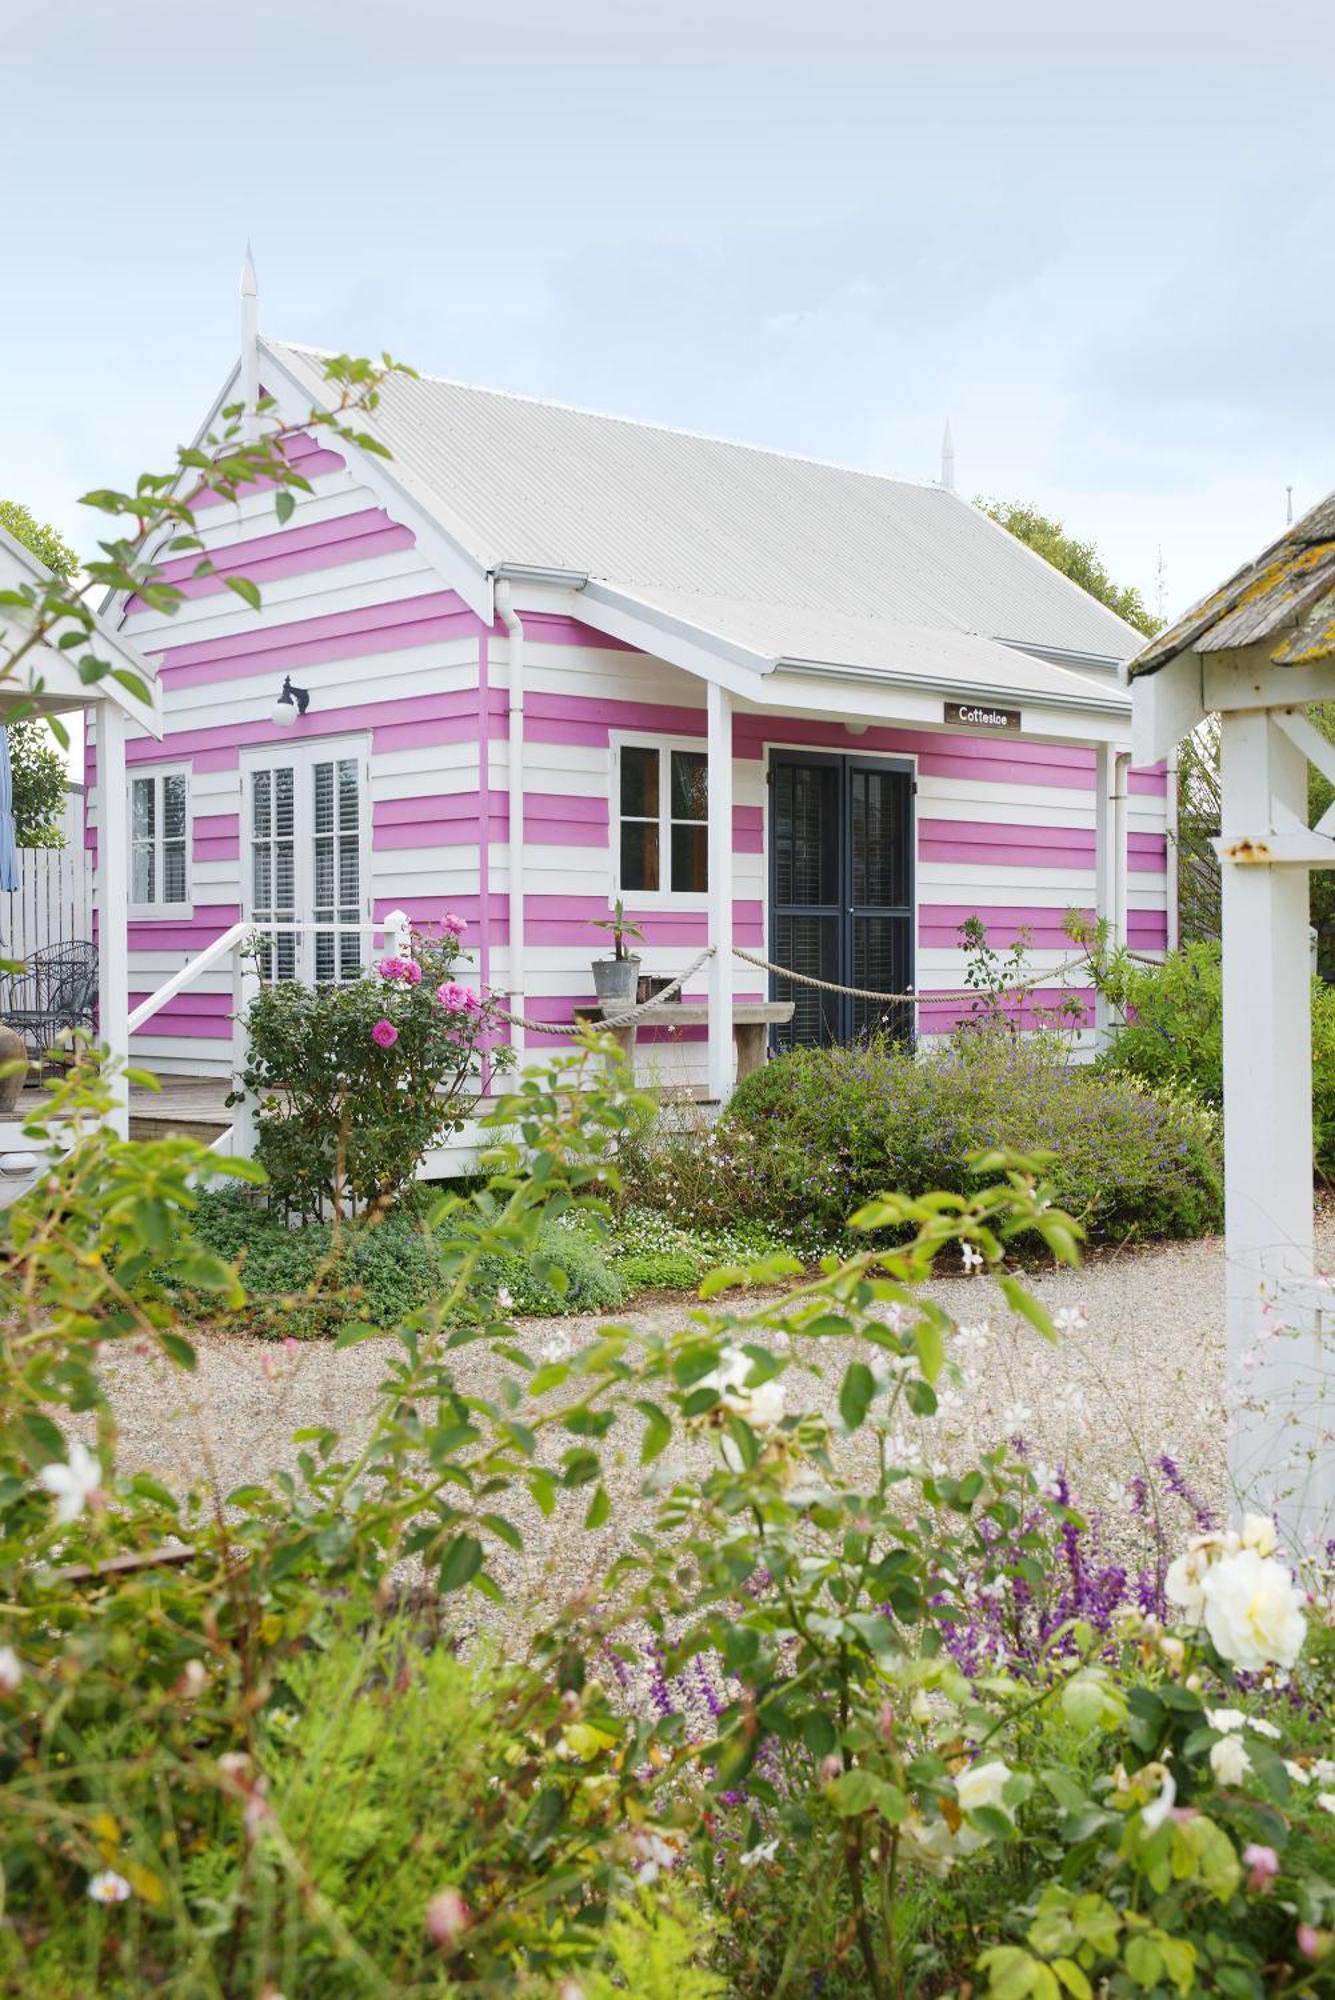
(293, 842)
(160, 827)
(663, 820)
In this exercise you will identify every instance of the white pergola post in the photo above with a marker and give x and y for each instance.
(719, 747)
(1276, 1458)
(113, 903)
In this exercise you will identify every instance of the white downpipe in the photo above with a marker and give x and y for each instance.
(1121, 860)
(514, 627)
(719, 767)
(1105, 877)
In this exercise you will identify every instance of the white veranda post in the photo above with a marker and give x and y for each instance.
(1277, 1456)
(113, 904)
(719, 760)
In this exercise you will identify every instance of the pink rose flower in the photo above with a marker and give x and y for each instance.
(406, 970)
(1312, 1942)
(456, 926)
(1262, 1865)
(384, 1034)
(457, 999)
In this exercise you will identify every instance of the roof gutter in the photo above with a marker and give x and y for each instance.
(1114, 702)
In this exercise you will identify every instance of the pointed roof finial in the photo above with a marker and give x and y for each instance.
(948, 460)
(250, 341)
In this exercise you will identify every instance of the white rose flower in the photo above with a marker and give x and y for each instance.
(761, 1407)
(1261, 1727)
(1323, 1770)
(931, 1843)
(72, 1484)
(1225, 1720)
(1258, 1532)
(1157, 1811)
(11, 1670)
(1326, 1801)
(1253, 1611)
(1297, 1773)
(982, 1785)
(1229, 1760)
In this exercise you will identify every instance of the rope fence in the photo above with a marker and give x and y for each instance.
(633, 1015)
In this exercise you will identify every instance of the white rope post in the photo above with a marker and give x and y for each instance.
(719, 747)
(245, 989)
(398, 934)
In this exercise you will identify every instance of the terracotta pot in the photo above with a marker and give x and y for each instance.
(12, 1050)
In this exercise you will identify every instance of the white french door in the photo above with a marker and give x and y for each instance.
(304, 859)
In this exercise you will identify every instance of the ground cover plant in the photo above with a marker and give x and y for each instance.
(268, 1766)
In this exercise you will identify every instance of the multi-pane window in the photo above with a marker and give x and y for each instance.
(159, 840)
(305, 865)
(663, 803)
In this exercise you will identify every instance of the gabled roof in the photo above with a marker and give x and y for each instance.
(61, 687)
(748, 534)
(1286, 593)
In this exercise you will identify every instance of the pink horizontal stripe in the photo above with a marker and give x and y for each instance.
(938, 925)
(561, 920)
(1153, 779)
(209, 921)
(432, 619)
(549, 628)
(456, 711)
(748, 829)
(1007, 760)
(997, 843)
(217, 837)
(939, 1017)
(306, 454)
(197, 1016)
(292, 552)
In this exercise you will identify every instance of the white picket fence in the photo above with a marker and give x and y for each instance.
(53, 903)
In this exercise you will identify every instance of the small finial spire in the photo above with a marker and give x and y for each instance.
(250, 340)
(948, 460)
(1288, 518)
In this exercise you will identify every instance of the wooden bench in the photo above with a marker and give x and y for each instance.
(751, 1022)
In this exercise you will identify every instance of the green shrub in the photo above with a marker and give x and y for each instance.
(1174, 1034)
(353, 1083)
(818, 1132)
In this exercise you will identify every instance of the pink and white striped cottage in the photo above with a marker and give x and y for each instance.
(545, 658)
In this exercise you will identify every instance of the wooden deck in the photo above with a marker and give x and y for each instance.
(193, 1105)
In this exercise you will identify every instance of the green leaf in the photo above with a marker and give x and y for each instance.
(853, 1792)
(460, 1563)
(244, 589)
(284, 505)
(1073, 1979)
(855, 1394)
(1028, 1307)
(931, 1348)
(600, 1508)
(506, 1531)
(180, 1350)
(657, 1431)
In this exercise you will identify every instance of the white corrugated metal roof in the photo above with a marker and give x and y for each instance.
(542, 485)
(902, 655)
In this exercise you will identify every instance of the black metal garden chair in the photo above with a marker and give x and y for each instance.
(56, 991)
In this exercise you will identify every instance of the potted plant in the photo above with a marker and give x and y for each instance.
(615, 978)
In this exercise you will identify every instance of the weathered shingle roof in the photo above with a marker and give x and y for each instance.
(541, 485)
(1287, 592)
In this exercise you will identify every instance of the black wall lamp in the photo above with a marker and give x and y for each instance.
(291, 703)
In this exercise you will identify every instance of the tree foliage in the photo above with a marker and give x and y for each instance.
(38, 767)
(1080, 561)
(39, 537)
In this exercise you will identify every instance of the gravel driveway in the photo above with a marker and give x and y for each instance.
(1140, 1375)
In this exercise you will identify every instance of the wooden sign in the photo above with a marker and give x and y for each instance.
(981, 715)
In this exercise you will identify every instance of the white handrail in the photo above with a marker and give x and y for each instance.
(223, 946)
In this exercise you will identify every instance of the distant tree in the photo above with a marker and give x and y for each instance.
(1080, 561)
(39, 769)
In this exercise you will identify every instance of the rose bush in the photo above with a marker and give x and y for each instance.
(353, 1083)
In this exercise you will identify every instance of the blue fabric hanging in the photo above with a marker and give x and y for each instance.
(9, 846)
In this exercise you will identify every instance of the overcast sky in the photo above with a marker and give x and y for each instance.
(1100, 239)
